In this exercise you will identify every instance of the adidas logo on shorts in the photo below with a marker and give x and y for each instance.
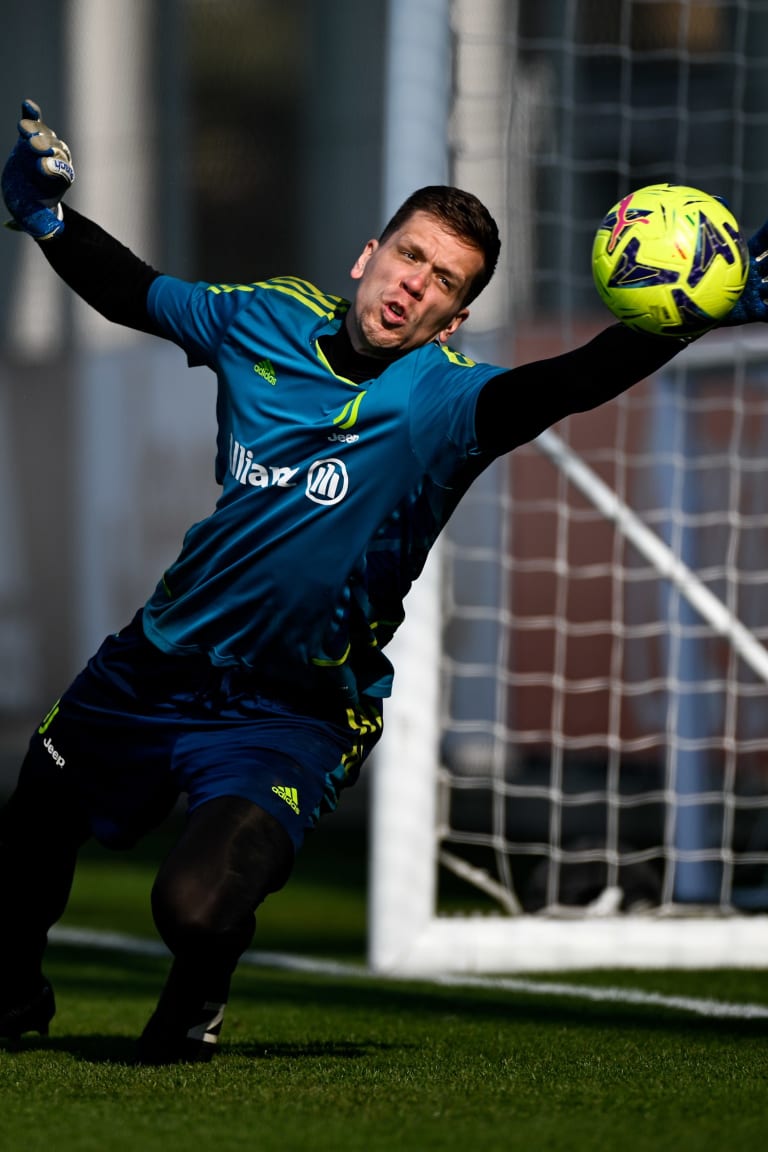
(290, 795)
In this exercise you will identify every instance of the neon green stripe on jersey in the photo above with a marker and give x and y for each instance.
(457, 357)
(326, 662)
(306, 293)
(348, 415)
(218, 289)
(302, 290)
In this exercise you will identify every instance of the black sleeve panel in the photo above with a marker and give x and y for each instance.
(102, 271)
(515, 406)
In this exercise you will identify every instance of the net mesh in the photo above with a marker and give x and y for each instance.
(602, 743)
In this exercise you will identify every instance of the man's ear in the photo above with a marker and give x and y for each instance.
(358, 267)
(453, 325)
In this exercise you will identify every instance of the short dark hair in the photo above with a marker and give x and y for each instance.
(461, 213)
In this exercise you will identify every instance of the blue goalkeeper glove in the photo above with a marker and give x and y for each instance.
(36, 175)
(752, 305)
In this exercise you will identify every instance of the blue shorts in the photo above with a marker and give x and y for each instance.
(138, 727)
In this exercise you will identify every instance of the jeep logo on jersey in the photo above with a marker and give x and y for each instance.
(327, 481)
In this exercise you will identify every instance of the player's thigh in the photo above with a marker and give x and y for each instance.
(111, 763)
(43, 809)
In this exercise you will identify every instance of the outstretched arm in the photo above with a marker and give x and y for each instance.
(543, 392)
(102, 271)
(106, 274)
(515, 406)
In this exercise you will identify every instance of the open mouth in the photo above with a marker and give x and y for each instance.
(394, 312)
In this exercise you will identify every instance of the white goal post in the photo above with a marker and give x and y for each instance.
(591, 775)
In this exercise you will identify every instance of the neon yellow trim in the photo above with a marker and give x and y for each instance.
(217, 289)
(49, 719)
(348, 415)
(334, 305)
(457, 357)
(301, 290)
(324, 361)
(332, 663)
(360, 722)
(315, 307)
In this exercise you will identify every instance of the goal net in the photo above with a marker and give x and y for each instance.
(575, 771)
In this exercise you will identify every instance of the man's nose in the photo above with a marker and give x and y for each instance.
(415, 283)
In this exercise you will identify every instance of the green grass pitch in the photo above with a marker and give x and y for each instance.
(353, 1064)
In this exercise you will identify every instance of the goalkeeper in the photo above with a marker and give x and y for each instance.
(254, 676)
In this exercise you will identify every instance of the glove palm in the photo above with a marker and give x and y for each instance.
(752, 305)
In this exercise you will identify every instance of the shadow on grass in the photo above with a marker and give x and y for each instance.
(323, 1050)
(106, 1049)
(112, 978)
(93, 1049)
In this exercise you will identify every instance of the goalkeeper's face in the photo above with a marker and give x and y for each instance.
(412, 288)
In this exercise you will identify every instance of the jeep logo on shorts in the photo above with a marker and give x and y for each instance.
(327, 481)
(58, 759)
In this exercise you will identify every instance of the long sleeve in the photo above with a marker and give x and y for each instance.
(516, 405)
(102, 271)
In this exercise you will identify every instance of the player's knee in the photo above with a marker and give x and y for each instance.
(230, 858)
(193, 908)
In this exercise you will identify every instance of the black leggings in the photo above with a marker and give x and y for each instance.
(230, 856)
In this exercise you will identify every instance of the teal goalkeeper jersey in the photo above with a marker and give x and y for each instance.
(332, 492)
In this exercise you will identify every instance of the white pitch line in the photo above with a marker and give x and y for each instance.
(717, 1009)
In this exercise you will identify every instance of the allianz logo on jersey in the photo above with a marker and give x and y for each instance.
(326, 481)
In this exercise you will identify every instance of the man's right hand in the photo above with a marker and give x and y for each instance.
(36, 175)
